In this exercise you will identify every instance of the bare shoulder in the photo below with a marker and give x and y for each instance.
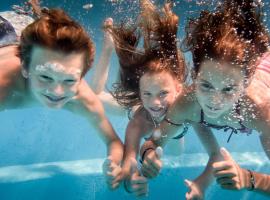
(10, 71)
(86, 102)
(256, 115)
(140, 122)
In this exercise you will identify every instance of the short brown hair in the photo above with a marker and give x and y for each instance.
(57, 31)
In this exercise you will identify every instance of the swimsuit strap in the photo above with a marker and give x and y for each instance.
(184, 132)
(240, 121)
(225, 127)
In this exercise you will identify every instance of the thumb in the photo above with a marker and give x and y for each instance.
(188, 183)
(225, 154)
(159, 152)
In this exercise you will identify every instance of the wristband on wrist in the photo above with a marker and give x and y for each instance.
(143, 154)
(252, 181)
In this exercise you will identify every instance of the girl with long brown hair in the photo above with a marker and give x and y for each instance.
(152, 72)
(225, 45)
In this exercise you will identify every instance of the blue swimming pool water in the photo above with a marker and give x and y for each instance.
(53, 154)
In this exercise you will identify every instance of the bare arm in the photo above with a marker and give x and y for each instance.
(211, 146)
(262, 125)
(101, 71)
(136, 129)
(88, 105)
(11, 79)
(231, 176)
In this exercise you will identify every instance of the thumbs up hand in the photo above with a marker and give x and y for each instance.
(137, 184)
(194, 191)
(152, 163)
(228, 173)
(112, 173)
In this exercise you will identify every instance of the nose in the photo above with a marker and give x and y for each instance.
(57, 90)
(155, 101)
(217, 99)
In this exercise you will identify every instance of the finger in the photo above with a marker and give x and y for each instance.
(159, 152)
(221, 165)
(138, 187)
(188, 183)
(116, 171)
(225, 154)
(188, 196)
(224, 173)
(222, 181)
(138, 180)
(150, 166)
(142, 191)
(155, 164)
(148, 172)
(115, 185)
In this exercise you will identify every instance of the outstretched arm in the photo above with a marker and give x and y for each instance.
(100, 74)
(35, 4)
(198, 186)
(136, 183)
(87, 104)
(231, 176)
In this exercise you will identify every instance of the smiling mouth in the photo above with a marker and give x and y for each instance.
(212, 109)
(54, 99)
(156, 109)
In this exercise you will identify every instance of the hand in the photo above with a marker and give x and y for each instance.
(108, 41)
(137, 184)
(228, 173)
(152, 164)
(194, 192)
(112, 172)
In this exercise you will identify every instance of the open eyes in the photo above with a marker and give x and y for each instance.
(206, 86)
(147, 94)
(228, 90)
(162, 94)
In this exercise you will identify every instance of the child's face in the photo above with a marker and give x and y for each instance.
(53, 76)
(158, 91)
(218, 87)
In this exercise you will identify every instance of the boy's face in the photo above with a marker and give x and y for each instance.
(54, 76)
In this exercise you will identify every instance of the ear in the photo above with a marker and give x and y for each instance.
(179, 87)
(24, 73)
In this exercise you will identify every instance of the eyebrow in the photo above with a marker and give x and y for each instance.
(205, 81)
(230, 85)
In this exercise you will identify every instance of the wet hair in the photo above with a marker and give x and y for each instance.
(55, 30)
(158, 30)
(234, 33)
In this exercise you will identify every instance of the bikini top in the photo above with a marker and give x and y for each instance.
(242, 129)
(7, 32)
(177, 137)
